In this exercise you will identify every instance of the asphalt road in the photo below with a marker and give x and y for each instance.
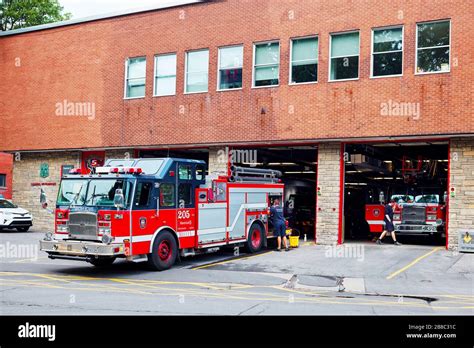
(357, 278)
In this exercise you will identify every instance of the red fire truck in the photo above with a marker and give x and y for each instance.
(423, 214)
(159, 209)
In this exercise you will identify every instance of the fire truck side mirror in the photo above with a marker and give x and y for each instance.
(119, 199)
(381, 197)
(43, 199)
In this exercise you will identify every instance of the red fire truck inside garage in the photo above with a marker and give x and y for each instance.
(413, 214)
(155, 209)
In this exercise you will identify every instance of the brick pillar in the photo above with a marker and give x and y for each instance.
(327, 205)
(26, 177)
(218, 158)
(461, 207)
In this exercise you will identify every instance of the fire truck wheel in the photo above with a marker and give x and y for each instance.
(102, 261)
(164, 252)
(256, 238)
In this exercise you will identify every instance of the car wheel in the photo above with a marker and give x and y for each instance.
(164, 252)
(22, 229)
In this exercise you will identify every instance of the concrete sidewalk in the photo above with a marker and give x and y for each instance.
(368, 268)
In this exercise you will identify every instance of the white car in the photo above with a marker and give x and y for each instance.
(11, 216)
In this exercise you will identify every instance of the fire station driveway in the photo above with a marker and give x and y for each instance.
(313, 279)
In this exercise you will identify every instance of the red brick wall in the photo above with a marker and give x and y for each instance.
(6, 167)
(86, 63)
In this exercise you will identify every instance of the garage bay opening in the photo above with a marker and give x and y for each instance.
(414, 175)
(298, 166)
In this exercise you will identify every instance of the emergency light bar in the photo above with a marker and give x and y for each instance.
(111, 170)
(119, 170)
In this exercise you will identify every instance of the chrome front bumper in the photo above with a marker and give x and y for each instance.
(416, 229)
(81, 248)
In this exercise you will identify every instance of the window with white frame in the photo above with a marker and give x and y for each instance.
(266, 64)
(197, 71)
(433, 47)
(165, 74)
(387, 52)
(230, 67)
(135, 77)
(304, 60)
(344, 63)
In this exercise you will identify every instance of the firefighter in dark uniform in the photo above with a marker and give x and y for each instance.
(388, 219)
(279, 224)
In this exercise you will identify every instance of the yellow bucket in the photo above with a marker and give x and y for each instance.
(294, 241)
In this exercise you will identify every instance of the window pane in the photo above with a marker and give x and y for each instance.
(266, 76)
(196, 82)
(184, 194)
(344, 68)
(200, 173)
(433, 34)
(165, 86)
(436, 59)
(166, 65)
(142, 194)
(268, 53)
(198, 61)
(387, 64)
(304, 73)
(136, 68)
(136, 72)
(231, 57)
(197, 71)
(3, 180)
(136, 88)
(344, 45)
(185, 173)
(231, 78)
(167, 195)
(305, 49)
(388, 40)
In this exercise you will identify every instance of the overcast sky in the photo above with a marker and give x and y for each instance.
(85, 8)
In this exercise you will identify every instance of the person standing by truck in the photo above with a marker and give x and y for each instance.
(279, 224)
(388, 219)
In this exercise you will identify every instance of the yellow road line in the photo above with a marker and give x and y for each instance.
(414, 262)
(277, 298)
(227, 261)
(248, 295)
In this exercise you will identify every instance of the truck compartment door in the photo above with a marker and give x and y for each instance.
(374, 215)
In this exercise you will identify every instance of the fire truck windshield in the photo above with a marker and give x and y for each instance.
(403, 198)
(92, 192)
(427, 199)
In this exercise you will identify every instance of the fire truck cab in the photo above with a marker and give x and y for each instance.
(159, 209)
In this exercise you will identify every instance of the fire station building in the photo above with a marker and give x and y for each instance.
(355, 102)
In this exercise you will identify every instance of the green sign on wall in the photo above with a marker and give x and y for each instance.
(44, 170)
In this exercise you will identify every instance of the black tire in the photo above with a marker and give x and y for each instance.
(22, 229)
(256, 239)
(102, 261)
(164, 252)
